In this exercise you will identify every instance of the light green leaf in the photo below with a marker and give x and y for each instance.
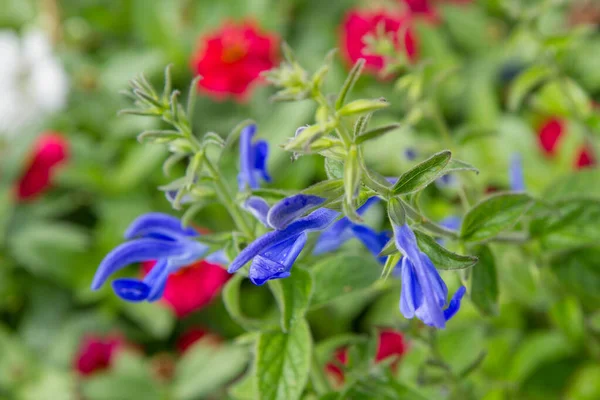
(362, 106)
(484, 283)
(293, 296)
(494, 215)
(154, 318)
(334, 168)
(422, 174)
(231, 299)
(525, 83)
(283, 363)
(343, 275)
(353, 76)
(441, 257)
(206, 367)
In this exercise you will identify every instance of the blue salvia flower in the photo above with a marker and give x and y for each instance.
(410, 153)
(343, 230)
(274, 253)
(152, 236)
(253, 159)
(424, 292)
(445, 181)
(517, 181)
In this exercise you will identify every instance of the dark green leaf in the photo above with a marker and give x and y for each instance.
(282, 362)
(293, 296)
(494, 215)
(578, 272)
(484, 282)
(441, 257)
(231, 299)
(423, 174)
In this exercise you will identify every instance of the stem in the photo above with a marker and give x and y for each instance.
(227, 199)
(317, 376)
(341, 131)
(428, 224)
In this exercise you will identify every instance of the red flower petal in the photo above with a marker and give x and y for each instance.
(191, 336)
(50, 150)
(232, 58)
(96, 353)
(585, 158)
(358, 24)
(550, 133)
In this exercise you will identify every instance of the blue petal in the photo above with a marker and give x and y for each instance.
(374, 241)
(437, 283)
(246, 178)
(451, 222)
(317, 220)
(132, 252)
(367, 204)
(410, 295)
(517, 182)
(158, 224)
(276, 262)
(131, 289)
(172, 194)
(406, 242)
(454, 305)
(261, 153)
(333, 237)
(158, 285)
(410, 153)
(257, 207)
(448, 180)
(287, 210)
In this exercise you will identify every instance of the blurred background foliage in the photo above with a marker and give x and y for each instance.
(542, 343)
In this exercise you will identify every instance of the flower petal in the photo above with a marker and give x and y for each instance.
(261, 153)
(317, 220)
(258, 207)
(410, 295)
(218, 257)
(287, 210)
(451, 222)
(333, 237)
(374, 241)
(517, 182)
(437, 283)
(246, 178)
(131, 289)
(263, 269)
(158, 224)
(454, 304)
(132, 252)
(277, 261)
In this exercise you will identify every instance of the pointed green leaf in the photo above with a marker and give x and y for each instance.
(293, 296)
(353, 76)
(422, 174)
(484, 283)
(441, 257)
(525, 83)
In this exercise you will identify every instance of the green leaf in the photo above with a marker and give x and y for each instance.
(343, 275)
(362, 106)
(155, 319)
(376, 133)
(282, 363)
(378, 387)
(494, 215)
(422, 174)
(293, 296)
(525, 83)
(484, 283)
(579, 184)
(458, 165)
(244, 388)
(396, 212)
(206, 367)
(351, 174)
(441, 257)
(390, 263)
(330, 189)
(567, 315)
(334, 168)
(585, 384)
(578, 272)
(231, 299)
(353, 76)
(309, 135)
(560, 97)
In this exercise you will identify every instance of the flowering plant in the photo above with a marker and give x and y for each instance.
(416, 218)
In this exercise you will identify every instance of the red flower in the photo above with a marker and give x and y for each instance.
(191, 336)
(549, 135)
(232, 58)
(391, 344)
(422, 8)
(192, 287)
(96, 353)
(50, 150)
(358, 24)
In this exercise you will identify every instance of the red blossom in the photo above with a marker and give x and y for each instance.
(96, 353)
(358, 24)
(192, 287)
(50, 150)
(422, 8)
(550, 133)
(391, 344)
(232, 58)
(191, 336)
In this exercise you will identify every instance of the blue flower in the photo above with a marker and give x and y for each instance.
(446, 181)
(517, 182)
(253, 160)
(410, 153)
(424, 293)
(152, 236)
(343, 230)
(274, 253)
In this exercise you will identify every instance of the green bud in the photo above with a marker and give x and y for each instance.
(309, 135)
(396, 212)
(362, 106)
(351, 174)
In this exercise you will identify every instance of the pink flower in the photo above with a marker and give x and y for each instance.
(50, 151)
(96, 353)
(549, 135)
(358, 24)
(192, 287)
(232, 58)
(391, 344)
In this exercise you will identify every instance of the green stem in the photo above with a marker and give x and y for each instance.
(226, 198)
(341, 130)
(428, 224)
